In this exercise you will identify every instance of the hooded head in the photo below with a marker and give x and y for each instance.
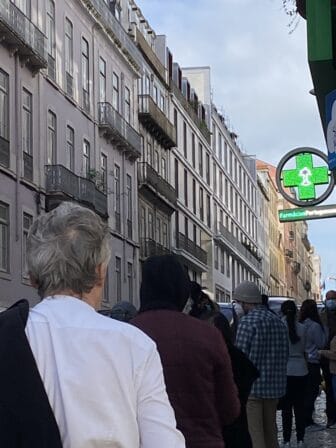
(123, 311)
(165, 284)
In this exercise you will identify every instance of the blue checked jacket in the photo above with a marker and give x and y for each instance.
(262, 336)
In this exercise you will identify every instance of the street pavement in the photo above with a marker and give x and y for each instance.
(323, 438)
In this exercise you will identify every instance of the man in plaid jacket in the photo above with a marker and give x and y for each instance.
(262, 336)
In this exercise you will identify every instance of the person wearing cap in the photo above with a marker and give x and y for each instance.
(262, 336)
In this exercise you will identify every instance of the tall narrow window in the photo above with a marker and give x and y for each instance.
(186, 188)
(51, 42)
(155, 94)
(86, 159)
(158, 230)
(194, 195)
(177, 177)
(201, 204)
(52, 142)
(69, 56)
(115, 93)
(164, 168)
(70, 148)
(142, 223)
(118, 278)
(221, 185)
(176, 125)
(127, 105)
(130, 281)
(117, 203)
(207, 168)
(129, 206)
(220, 155)
(150, 226)
(149, 153)
(26, 224)
(193, 150)
(185, 143)
(162, 102)
(4, 237)
(4, 118)
(165, 235)
(200, 159)
(156, 161)
(215, 178)
(102, 80)
(27, 135)
(208, 211)
(103, 170)
(216, 256)
(85, 75)
(147, 85)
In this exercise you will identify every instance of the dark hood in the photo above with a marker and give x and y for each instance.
(165, 284)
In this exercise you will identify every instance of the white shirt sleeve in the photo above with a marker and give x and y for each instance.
(156, 419)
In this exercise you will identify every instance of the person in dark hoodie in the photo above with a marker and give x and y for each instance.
(196, 364)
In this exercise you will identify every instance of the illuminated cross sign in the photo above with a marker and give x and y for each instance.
(305, 176)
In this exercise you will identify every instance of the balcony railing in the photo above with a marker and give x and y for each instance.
(191, 247)
(27, 166)
(19, 32)
(4, 152)
(114, 29)
(118, 130)
(224, 232)
(150, 55)
(202, 126)
(152, 117)
(148, 176)
(60, 180)
(149, 248)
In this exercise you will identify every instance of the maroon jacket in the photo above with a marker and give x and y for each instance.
(198, 375)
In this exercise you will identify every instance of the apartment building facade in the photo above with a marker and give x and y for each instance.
(69, 130)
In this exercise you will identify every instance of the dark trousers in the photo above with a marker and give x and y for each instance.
(312, 391)
(293, 400)
(330, 403)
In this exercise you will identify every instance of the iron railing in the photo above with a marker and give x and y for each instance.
(19, 30)
(191, 247)
(118, 128)
(61, 180)
(149, 248)
(148, 175)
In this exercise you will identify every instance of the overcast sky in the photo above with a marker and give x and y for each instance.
(260, 78)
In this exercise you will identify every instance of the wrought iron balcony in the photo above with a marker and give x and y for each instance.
(148, 177)
(149, 248)
(150, 55)
(117, 129)
(152, 117)
(191, 247)
(115, 30)
(63, 184)
(4, 152)
(20, 34)
(224, 235)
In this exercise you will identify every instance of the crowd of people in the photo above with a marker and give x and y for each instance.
(172, 374)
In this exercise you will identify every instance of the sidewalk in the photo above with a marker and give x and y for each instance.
(325, 438)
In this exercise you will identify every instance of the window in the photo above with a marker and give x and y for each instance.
(106, 288)
(129, 206)
(216, 256)
(86, 159)
(50, 28)
(142, 222)
(162, 102)
(208, 211)
(193, 150)
(194, 233)
(176, 177)
(207, 168)
(27, 222)
(70, 151)
(194, 195)
(186, 188)
(150, 226)
(185, 149)
(52, 142)
(68, 47)
(4, 237)
(186, 227)
(118, 278)
(27, 143)
(214, 137)
(164, 168)
(103, 170)
(230, 167)
(200, 159)
(176, 124)
(4, 105)
(215, 178)
(226, 192)
(220, 155)
(147, 85)
(115, 93)
(228, 271)
(130, 281)
(156, 161)
(85, 75)
(221, 185)
(158, 230)
(155, 94)
(222, 261)
(102, 80)
(149, 153)
(225, 154)
(165, 235)
(201, 203)
(215, 214)
(127, 104)
(117, 198)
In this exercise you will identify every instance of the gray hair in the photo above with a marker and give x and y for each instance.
(64, 249)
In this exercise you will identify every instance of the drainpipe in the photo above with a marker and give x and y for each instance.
(18, 137)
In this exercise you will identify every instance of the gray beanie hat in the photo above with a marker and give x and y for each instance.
(123, 311)
(247, 292)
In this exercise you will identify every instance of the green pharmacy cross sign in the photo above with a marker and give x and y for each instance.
(305, 177)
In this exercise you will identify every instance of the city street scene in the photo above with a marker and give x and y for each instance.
(167, 222)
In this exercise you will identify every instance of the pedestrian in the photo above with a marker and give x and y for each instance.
(262, 336)
(123, 311)
(196, 364)
(328, 358)
(297, 372)
(102, 378)
(328, 319)
(202, 305)
(315, 341)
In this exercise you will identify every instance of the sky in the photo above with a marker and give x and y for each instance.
(260, 79)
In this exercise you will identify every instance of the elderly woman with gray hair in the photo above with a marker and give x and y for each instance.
(103, 378)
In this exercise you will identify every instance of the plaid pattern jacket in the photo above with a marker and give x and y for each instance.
(262, 336)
